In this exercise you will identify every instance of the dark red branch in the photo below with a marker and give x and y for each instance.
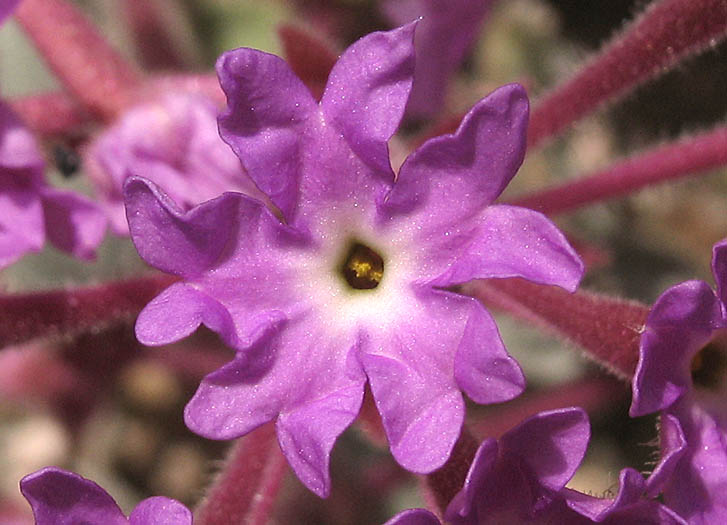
(85, 63)
(664, 35)
(245, 490)
(690, 156)
(606, 328)
(74, 311)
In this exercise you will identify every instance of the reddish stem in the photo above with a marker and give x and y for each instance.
(607, 329)
(448, 480)
(81, 58)
(666, 33)
(309, 57)
(70, 312)
(671, 161)
(246, 489)
(53, 114)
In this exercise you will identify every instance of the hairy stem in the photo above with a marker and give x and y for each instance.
(81, 58)
(670, 161)
(664, 35)
(606, 328)
(245, 490)
(74, 311)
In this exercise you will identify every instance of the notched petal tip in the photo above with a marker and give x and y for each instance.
(367, 91)
(184, 244)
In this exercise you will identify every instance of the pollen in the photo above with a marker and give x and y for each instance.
(363, 268)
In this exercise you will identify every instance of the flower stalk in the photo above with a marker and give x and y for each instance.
(664, 35)
(607, 329)
(68, 312)
(245, 490)
(79, 56)
(671, 161)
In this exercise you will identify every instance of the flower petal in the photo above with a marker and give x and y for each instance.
(177, 312)
(59, 497)
(482, 367)
(551, 443)
(411, 372)
(464, 503)
(414, 517)
(673, 445)
(508, 242)
(308, 378)
(422, 419)
(679, 324)
(307, 434)
(367, 92)
(631, 487)
(452, 177)
(719, 270)
(267, 107)
(697, 486)
(21, 221)
(73, 223)
(184, 244)
(160, 511)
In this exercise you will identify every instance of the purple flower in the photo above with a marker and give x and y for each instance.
(357, 282)
(59, 497)
(682, 371)
(7, 7)
(31, 210)
(446, 33)
(521, 479)
(173, 142)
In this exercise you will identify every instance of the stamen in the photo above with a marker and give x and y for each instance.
(363, 268)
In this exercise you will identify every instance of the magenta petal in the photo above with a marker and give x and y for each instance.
(483, 368)
(59, 497)
(414, 517)
(267, 105)
(309, 381)
(21, 221)
(673, 445)
(454, 176)
(679, 324)
(422, 419)
(7, 7)
(73, 223)
(514, 242)
(307, 435)
(719, 270)
(179, 243)
(464, 503)
(177, 312)
(160, 511)
(367, 92)
(698, 484)
(552, 444)
(631, 487)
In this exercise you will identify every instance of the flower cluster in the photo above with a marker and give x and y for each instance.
(342, 261)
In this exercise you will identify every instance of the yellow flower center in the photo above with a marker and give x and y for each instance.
(363, 268)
